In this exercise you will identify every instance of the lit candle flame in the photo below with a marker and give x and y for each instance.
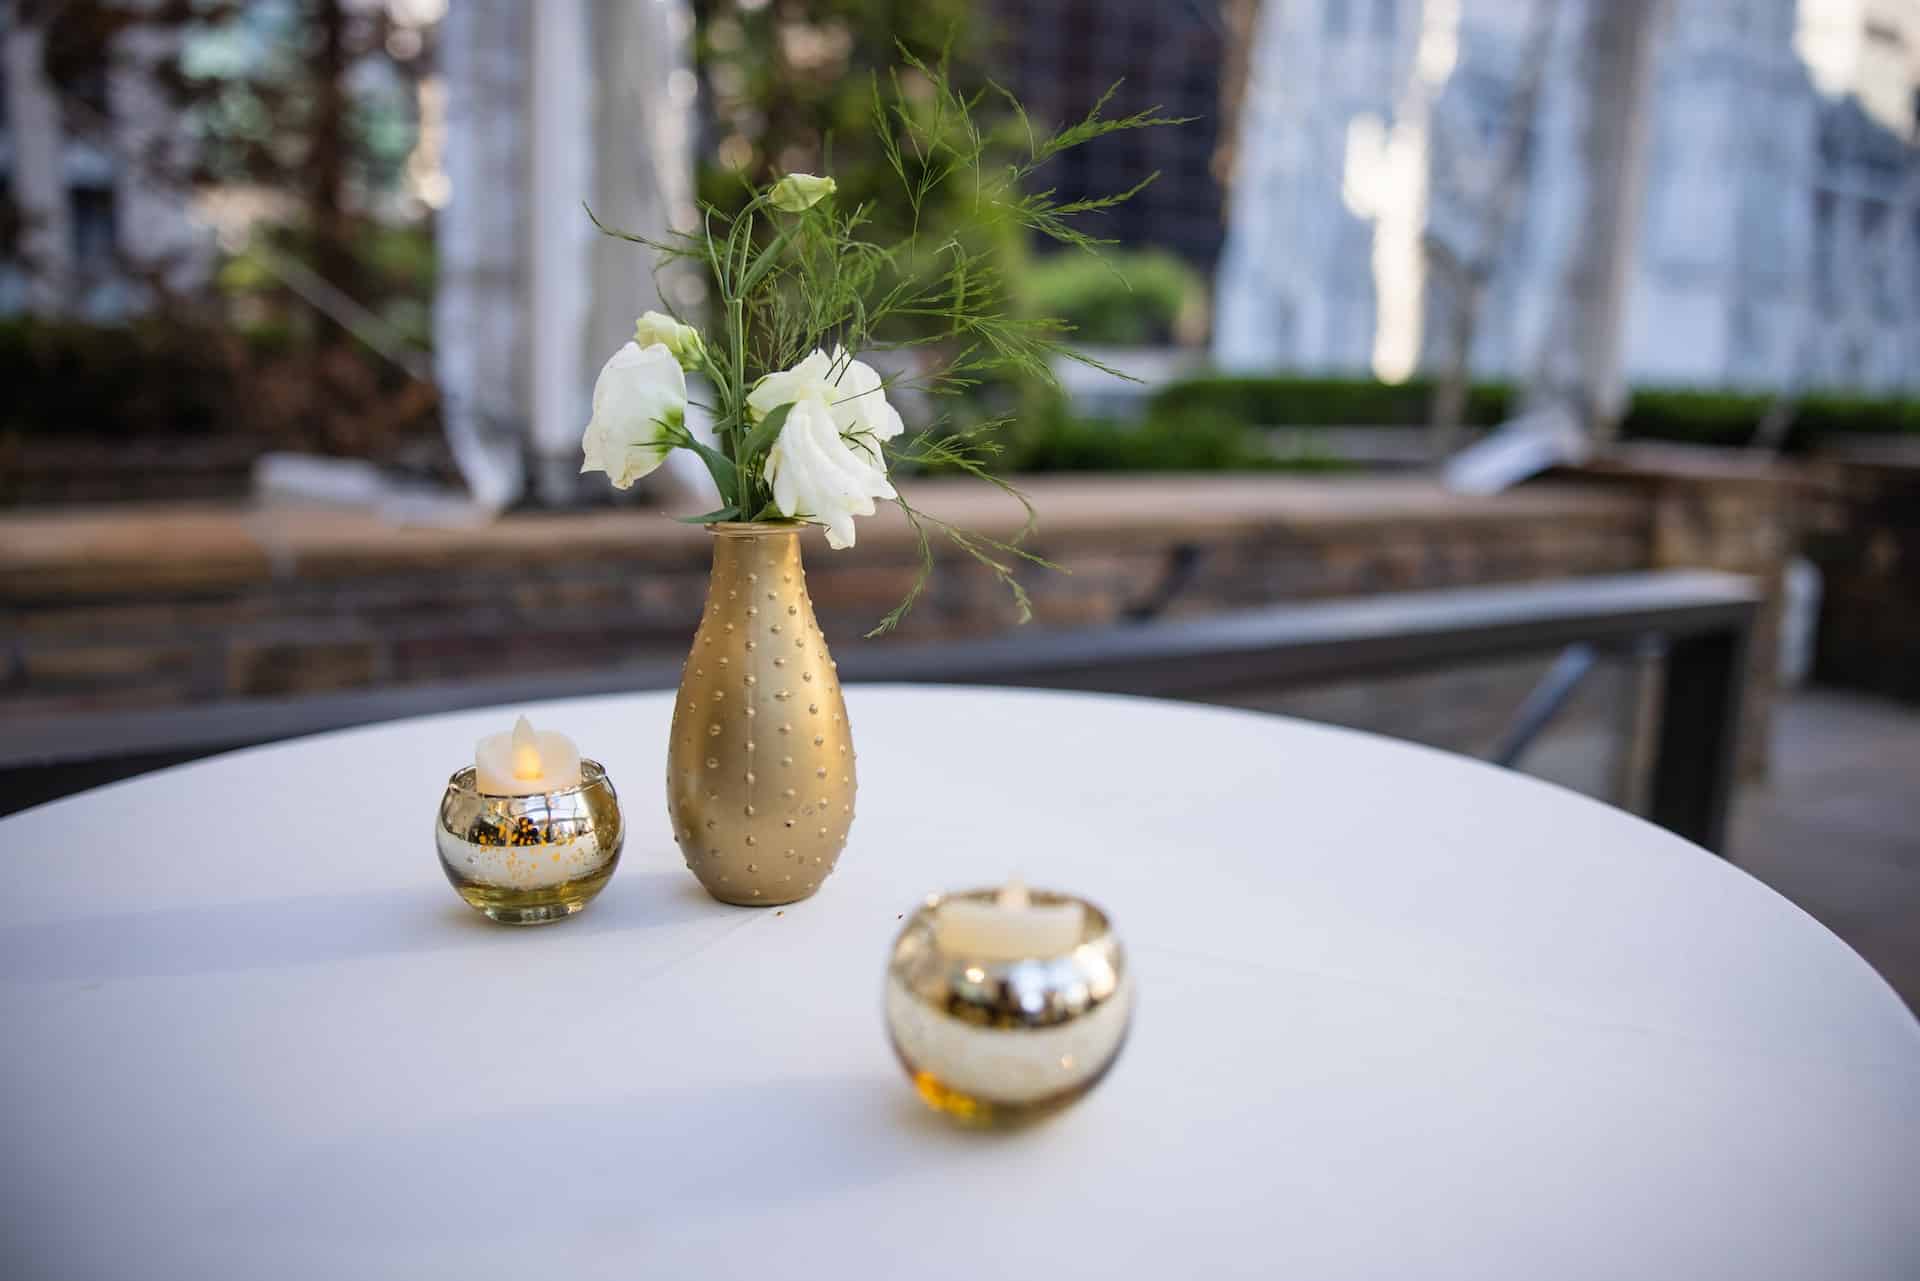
(526, 750)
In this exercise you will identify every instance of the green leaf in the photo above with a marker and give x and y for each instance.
(770, 512)
(725, 478)
(708, 518)
(765, 260)
(761, 437)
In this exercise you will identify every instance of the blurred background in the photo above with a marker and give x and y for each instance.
(300, 312)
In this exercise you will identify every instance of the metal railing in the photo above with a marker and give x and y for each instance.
(1699, 622)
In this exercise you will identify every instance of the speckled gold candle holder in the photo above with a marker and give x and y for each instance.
(997, 1042)
(527, 860)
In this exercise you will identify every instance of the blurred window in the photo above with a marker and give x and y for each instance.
(10, 226)
(1335, 17)
(88, 87)
(1764, 236)
(1061, 57)
(1913, 255)
(1824, 291)
(93, 226)
(1874, 237)
(1386, 15)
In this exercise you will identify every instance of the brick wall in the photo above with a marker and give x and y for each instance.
(1864, 535)
(154, 607)
(59, 472)
(1731, 511)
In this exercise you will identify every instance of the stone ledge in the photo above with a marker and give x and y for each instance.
(1725, 471)
(167, 550)
(198, 605)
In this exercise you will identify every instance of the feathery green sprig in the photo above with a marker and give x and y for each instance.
(789, 282)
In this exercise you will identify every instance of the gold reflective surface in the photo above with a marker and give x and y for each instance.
(526, 860)
(994, 1042)
(760, 765)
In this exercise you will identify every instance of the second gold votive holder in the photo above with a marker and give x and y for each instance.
(994, 1042)
(527, 860)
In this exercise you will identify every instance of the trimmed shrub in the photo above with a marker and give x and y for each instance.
(1121, 299)
(113, 382)
(156, 379)
(1655, 413)
(1055, 440)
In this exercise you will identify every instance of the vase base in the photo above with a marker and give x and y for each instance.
(768, 898)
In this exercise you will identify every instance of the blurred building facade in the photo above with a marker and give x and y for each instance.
(91, 228)
(1059, 59)
(112, 125)
(1779, 242)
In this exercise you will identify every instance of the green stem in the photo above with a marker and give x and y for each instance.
(737, 307)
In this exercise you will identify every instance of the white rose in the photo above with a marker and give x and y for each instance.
(818, 474)
(799, 191)
(639, 407)
(682, 340)
(853, 390)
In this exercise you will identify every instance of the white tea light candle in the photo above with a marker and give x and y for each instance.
(524, 761)
(1010, 928)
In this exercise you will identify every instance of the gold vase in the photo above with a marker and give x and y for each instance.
(760, 768)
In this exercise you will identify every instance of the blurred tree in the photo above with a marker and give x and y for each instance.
(287, 123)
(118, 89)
(1578, 369)
(36, 204)
(1464, 264)
(1121, 298)
(790, 88)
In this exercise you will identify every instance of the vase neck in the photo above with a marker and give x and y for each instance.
(742, 550)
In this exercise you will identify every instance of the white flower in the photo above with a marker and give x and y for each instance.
(859, 401)
(682, 340)
(639, 405)
(816, 473)
(851, 388)
(808, 378)
(799, 191)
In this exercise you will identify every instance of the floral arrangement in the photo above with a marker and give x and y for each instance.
(804, 429)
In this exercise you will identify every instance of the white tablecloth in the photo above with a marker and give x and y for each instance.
(1402, 1015)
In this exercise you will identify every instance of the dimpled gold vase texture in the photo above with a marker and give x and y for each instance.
(760, 769)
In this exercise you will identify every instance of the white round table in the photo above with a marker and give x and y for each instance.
(1401, 1015)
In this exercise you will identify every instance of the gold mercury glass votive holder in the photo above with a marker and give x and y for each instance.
(993, 1042)
(526, 860)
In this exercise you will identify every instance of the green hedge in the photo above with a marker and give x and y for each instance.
(1082, 444)
(87, 380)
(159, 380)
(1321, 402)
(1120, 298)
(1697, 417)
(1046, 436)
